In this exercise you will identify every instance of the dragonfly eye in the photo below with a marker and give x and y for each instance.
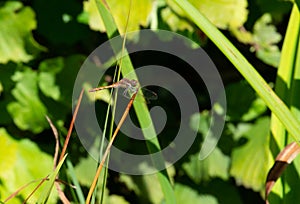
(133, 82)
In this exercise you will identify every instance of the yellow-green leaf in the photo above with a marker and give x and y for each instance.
(28, 112)
(225, 14)
(21, 162)
(139, 14)
(250, 162)
(16, 40)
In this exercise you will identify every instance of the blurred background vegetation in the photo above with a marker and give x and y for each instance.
(44, 43)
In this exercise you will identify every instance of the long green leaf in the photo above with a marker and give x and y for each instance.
(245, 68)
(288, 87)
(140, 109)
(47, 189)
(285, 73)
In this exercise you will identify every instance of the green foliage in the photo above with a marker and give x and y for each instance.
(28, 111)
(16, 25)
(38, 80)
(265, 39)
(250, 106)
(19, 168)
(216, 165)
(185, 194)
(119, 10)
(250, 162)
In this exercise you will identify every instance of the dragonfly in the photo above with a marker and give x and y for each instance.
(131, 87)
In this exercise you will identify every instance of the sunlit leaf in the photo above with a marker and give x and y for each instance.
(52, 78)
(92, 15)
(250, 162)
(86, 175)
(148, 192)
(174, 21)
(200, 122)
(215, 165)
(48, 69)
(47, 85)
(19, 168)
(139, 14)
(28, 112)
(265, 38)
(187, 195)
(16, 40)
(117, 199)
(242, 35)
(223, 13)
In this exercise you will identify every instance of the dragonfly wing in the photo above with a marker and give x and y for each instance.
(148, 94)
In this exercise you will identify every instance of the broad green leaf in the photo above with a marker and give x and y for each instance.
(187, 195)
(139, 14)
(47, 85)
(52, 78)
(215, 165)
(243, 107)
(200, 122)
(19, 168)
(86, 175)
(16, 40)
(28, 112)
(117, 199)
(174, 21)
(265, 38)
(151, 190)
(48, 69)
(225, 14)
(94, 20)
(250, 162)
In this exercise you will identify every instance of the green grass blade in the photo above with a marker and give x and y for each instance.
(245, 68)
(71, 172)
(285, 74)
(288, 87)
(140, 109)
(49, 184)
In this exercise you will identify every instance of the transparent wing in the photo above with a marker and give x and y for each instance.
(147, 95)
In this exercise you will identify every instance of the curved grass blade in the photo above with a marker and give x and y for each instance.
(245, 68)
